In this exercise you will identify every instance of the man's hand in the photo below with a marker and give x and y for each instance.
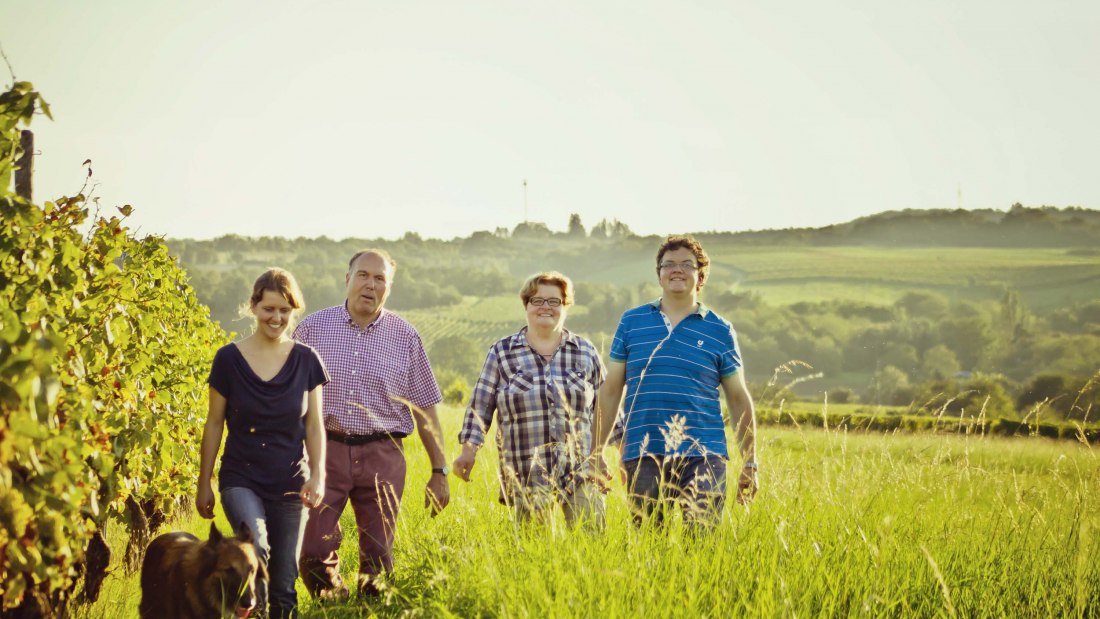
(464, 463)
(438, 493)
(747, 485)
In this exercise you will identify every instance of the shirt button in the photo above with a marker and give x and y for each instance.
(353, 372)
(253, 430)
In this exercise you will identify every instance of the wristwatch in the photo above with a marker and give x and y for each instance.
(443, 471)
(751, 465)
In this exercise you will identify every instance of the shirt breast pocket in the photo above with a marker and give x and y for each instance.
(519, 394)
(579, 391)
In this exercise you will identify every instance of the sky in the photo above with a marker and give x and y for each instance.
(371, 119)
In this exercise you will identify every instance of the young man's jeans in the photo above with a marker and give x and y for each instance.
(277, 528)
(697, 485)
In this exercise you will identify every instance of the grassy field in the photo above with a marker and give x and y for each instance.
(846, 524)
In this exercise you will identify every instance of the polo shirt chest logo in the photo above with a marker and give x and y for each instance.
(699, 343)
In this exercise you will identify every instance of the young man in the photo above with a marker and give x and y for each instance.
(672, 356)
(381, 380)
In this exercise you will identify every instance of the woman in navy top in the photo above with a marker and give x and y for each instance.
(266, 390)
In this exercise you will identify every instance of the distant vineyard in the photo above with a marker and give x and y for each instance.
(434, 325)
(432, 329)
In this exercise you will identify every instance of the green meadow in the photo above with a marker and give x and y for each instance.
(849, 524)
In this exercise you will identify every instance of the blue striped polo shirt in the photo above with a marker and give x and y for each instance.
(673, 378)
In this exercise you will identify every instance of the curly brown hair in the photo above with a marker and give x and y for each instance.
(686, 241)
(550, 278)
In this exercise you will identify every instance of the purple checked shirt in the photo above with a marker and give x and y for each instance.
(372, 371)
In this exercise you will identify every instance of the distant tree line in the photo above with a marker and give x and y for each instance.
(1020, 226)
(924, 350)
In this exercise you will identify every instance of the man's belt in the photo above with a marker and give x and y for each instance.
(363, 439)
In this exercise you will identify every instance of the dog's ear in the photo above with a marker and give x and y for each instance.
(244, 533)
(208, 552)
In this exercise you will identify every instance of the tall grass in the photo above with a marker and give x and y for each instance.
(845, 524)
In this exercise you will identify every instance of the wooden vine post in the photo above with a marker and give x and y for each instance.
(24, 167)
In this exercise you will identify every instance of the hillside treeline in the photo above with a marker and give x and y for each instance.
(1020, 226)
(924, 348)
(436, 272)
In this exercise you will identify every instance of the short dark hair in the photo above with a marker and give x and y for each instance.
(686, 241)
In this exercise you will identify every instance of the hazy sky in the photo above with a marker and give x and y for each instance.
(366, 119)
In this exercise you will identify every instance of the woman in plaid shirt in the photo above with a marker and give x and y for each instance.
(542, 385)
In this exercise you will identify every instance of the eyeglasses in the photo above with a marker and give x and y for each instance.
(686, 266)
(539, 302)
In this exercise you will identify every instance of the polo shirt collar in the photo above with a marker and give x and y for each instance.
(702, 310)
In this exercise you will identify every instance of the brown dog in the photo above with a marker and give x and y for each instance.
(184, 578)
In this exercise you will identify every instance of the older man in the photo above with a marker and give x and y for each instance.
(381, 381)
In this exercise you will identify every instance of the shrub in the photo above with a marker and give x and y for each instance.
(842, 395)
(456, 390)
(103, 354)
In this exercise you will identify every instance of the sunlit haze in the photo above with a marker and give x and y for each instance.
(371, 119)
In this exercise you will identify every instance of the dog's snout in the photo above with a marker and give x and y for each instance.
(246, 602)
(247, 599)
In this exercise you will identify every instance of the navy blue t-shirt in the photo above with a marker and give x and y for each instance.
(265, 445)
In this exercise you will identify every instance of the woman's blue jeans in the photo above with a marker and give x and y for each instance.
(277, 528)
